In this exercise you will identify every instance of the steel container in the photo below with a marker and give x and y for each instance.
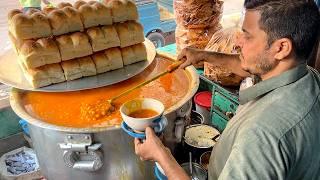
(66, 153)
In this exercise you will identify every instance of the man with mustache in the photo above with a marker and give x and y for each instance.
(275, 132)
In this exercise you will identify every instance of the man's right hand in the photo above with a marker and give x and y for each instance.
(191, 56)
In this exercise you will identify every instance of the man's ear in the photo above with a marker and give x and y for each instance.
(282, 48)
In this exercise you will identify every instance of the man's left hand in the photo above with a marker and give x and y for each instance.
(151, 148)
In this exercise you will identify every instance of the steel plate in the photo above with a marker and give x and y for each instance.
(12, 75)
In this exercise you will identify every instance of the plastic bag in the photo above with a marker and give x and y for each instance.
(224, 41)
(197, 13)
(19, 164)
(221, 75)
(197, 38)
(197, 21)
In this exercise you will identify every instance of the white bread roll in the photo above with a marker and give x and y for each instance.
(63, 4)
(48, 9)
(114, 56)
(13, 13)
(103, 38)
(97, 39)
(128, 56)
(87, 66)
(133, 54)
(59, 22)
(94, 14)
(77, 4)
(140, 51)
(28, 26)
(55, 73)
(44, 75)
(37, 77)
(65, 20)
(101, 62)
(123, 10)
(15, 42)
(110, 33)
(108, 60)
(73, 45)
(130, 33)
(71, 69)
(38, 53)
(74, 19)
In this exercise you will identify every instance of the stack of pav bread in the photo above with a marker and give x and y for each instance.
(68, 42)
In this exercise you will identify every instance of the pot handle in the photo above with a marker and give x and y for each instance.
(73, 160)
(80, 153)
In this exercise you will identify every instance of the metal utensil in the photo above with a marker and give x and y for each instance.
(190, 164)
(104, 107)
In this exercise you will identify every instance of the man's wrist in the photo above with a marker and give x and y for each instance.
(163, 156)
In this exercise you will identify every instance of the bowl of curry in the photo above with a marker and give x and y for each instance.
(141, 113)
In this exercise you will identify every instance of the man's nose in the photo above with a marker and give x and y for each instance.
(239, 40)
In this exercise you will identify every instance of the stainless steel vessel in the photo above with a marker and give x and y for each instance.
(96, 153)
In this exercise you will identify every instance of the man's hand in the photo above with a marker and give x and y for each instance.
(152, 148)
(191, 56)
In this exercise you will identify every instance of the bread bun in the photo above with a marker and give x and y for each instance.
(36, 53)
(130, 33)
(34, 25)
(108, 60)
(71, 70)
(94, 14)
(65, 20)
(123, 10)
(133, 54)
(64, 4)
(87, 66)
(44, 75)
(110, 33)
(74, 45)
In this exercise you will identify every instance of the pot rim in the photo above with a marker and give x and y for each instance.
(18, 108)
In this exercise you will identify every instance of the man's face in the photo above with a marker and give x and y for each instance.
(255, 56)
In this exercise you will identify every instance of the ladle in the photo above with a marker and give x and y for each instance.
(105, 107)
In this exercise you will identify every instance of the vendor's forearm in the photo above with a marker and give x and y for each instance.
(171, 168)
(229, 61)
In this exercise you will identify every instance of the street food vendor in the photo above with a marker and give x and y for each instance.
(275, 132)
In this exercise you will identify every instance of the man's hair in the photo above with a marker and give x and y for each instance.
(297, 20)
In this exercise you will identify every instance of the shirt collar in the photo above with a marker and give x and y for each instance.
(271, 84)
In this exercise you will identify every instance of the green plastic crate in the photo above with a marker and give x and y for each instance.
(218, 121)
(224, 102)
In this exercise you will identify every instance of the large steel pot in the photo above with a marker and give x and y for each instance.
(95, 153)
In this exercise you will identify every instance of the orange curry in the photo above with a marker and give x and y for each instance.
(143, 113)
(64, 108)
